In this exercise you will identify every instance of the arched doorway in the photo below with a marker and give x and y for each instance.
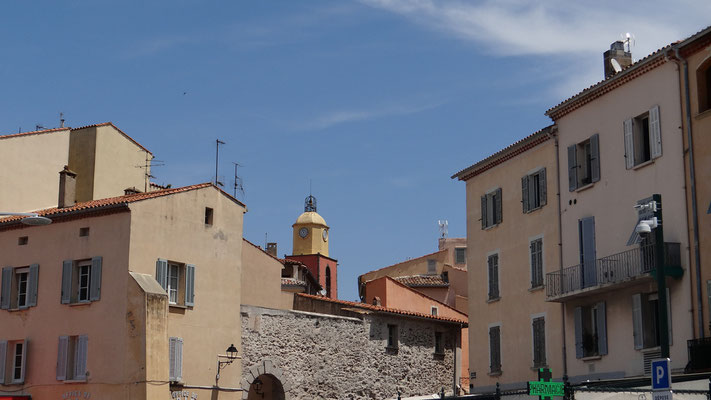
(266, 387)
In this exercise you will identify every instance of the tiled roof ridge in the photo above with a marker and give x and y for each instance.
(40, 132)
(383, 309)
(423, 294)
(109, 123)
(505, 154)
(263, 251)
(411, 278)
(402, 262)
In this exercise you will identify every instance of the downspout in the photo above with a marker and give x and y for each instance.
(692, 178)
(554, 134)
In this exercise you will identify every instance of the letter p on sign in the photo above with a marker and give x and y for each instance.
(660, 374)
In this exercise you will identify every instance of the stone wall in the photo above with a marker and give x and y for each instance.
(320, 356)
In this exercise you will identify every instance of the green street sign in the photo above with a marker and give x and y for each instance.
(545, 389)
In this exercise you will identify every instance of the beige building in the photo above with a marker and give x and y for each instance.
(620, 142)
(105, 159)
(512, 241)
(130, 297)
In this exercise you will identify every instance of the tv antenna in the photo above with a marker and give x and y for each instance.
(218, 142)
(61, 120)
(238, 182)
(443, 228)
(147, 166)
(628, 39)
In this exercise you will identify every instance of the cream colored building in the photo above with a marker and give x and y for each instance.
(106, 160)
(512, 241)
(130, 297)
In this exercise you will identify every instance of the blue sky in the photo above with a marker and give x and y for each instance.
(376, 102)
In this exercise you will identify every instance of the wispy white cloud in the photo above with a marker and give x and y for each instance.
(343, 116)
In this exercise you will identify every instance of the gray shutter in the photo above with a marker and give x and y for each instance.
(32, 285)
(95, 285)
(655, 132)
(629, 143)
(524, 193)
(62, 358)
(578, 332)
(637, 330)
(601, 329)
(500, 211)
(179, 360)
(3, 355)
(162, 273)
(595, 157)
(80, 357)
(543, 187)
(190, 285)
(669, 317)
(483, 212)
(6, 288)
(588, 251)
(572, 168)
(172, 348)
(67, 267)
(24, 361)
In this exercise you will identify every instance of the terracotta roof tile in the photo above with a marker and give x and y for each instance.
(385, 309)
(422, 281)
(33, 133)
(424, 295)
(402, 262)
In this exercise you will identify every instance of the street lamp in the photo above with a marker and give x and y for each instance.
(32, 219)
(230, 357)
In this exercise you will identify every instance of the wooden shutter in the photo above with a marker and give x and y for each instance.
(637, 330)
(578, 332)
(179, 360)
(171, 357)
(80, 358)
(495, 348)
(190, 285)
(162, 273)
(595, 157)
(499, 210)
(524, 193)
(32, 285)
(542, 187)
(95, 285)
(25, 343)
(5, 292)
(493, 276)
(572, 168)
(629, 143)
(67, 267)
(175, 354)
(669, 318)
(655, 132)
(588, 252)
(539, 341)
(483, 212)
(3, 358)
(601, 329)
(62, 358)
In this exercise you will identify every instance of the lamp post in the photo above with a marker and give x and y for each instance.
(30, 218)
(229, 358)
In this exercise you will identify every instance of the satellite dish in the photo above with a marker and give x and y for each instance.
(323, 292)
(615, 65)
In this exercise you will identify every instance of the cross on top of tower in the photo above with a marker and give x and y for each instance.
(310, 204)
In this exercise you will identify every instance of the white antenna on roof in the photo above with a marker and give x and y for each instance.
(629, 40)
(443, 225)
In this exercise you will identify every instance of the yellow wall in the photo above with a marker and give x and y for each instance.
(82, 158)
(314, 243)
(261, 278)
(30, 178)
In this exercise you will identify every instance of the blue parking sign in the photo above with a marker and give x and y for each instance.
(661, 380)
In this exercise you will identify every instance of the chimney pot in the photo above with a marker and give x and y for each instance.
(272, 249)
(617, 52)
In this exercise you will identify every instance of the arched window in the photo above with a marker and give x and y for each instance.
(328, 281)
(703, 85)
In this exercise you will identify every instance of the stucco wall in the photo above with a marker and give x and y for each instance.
(82, 159)
(118, 164)
(326, 357)
(261, 277)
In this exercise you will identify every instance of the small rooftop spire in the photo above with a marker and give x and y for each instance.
(310, 204)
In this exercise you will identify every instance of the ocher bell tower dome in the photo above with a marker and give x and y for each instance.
(310, 231)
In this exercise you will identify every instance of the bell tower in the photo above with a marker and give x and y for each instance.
(310, 240)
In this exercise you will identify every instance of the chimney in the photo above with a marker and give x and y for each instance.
(67, 188)
(617, 52)
(272, 249)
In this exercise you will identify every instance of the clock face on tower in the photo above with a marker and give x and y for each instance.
(325, 235)
(303, 232)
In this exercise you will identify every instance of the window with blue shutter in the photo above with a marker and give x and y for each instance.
(18, 289)
(584, 163)
(72, 358)
(642, 138)
(491, 209)
(495, 349)
(590, 330)
(81, 280)
(178, 281)
(493, 273)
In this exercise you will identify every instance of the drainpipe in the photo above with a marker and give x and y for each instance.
(692, 177)
(554, 134)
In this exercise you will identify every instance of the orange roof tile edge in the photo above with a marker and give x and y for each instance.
(424, 295)
(402, 262)
(12, 135)
(384, 309)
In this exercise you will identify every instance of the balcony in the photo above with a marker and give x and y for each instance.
(699, 355)
(617, 270)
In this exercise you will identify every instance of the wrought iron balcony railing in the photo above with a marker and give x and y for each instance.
(699, 355)
(606, 271)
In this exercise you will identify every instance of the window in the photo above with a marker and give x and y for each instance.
(539, 341)
(586, 246)
(19, 287)
(536, 247)
(643, 138)
(83, 232)
(175, 353)
(493, 272)
(491, 209)
(439, 343)
(590, 330)
(431, 267)
(645, 314)
(328, 281)
(208, 216)
(81, 280)
(23, 240)
(495, 349)
(584, 163)
(434, 310)
(460, 255)
(703, 81)
(393, 337)
(178, 280)
(534, 191)
(72, 356)
(13, 360)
